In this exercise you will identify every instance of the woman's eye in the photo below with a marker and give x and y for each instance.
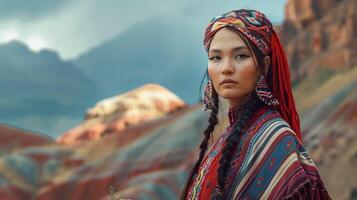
(214, 58)
(239, 56)
(242, 56)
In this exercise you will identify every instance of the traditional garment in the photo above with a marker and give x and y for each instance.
(269, 163)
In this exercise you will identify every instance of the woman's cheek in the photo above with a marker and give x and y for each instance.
(248, 75)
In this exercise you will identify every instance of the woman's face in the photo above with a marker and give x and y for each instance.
(230, 58)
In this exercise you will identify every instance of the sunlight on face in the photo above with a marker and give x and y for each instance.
(230, 58)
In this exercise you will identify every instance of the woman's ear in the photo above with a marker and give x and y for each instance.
(266, 61)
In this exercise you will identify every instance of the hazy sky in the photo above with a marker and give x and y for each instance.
(71, 27)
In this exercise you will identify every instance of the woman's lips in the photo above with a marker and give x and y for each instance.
(228, 81)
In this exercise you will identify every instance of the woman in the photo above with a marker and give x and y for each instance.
(260, 155)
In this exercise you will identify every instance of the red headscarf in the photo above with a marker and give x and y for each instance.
(258, 29)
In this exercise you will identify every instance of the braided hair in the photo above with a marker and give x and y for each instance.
(239, 127)
(213, 121)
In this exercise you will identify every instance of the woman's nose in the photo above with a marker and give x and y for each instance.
(228, 67)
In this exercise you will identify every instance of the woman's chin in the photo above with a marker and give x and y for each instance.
(230, 95)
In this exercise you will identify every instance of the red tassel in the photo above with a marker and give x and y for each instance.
(281, 86)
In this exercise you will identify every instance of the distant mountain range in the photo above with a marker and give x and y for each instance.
(43, 93)
(39, 90)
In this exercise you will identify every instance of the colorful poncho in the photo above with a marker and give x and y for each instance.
(269, 163)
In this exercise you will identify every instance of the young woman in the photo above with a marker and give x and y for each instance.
(260, 155)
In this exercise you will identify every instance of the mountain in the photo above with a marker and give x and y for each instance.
(39, 90)
(164, 50)
(119, 112)
(12, 138)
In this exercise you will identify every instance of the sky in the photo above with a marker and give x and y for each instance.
(72, 27)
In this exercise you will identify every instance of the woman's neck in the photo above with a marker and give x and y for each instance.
(244, 100)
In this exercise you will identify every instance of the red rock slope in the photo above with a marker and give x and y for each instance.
(12, 138)
(116, 113)
(320, 34)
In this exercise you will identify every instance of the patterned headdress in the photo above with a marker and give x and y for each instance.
(256, 27)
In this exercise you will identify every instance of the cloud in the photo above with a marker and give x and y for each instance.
(30, 10)
(73, 28)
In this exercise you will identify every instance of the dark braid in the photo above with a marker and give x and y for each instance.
(212, 123)
(208, 131)
(233, 140)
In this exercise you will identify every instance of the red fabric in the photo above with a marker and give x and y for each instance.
(281, 85)
(207, 189)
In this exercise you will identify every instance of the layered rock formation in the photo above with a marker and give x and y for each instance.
(116, 113)
(320, 34)
(12, 138)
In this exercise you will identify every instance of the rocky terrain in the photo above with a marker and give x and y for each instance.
(320, 35)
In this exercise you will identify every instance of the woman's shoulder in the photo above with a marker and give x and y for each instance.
(273, 153)
(271, 135)
(268, 137)
(269, 119)
(269, 122)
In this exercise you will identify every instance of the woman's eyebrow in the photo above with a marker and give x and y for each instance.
(234, 49)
